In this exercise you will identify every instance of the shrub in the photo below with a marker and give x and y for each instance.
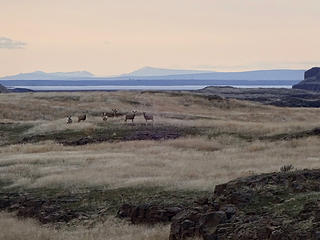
(286, 168)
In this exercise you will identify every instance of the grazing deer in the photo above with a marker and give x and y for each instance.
(82, 117)
(69, 120)
(130, 116)
(148, 116)
(104, 116)
(115, 111)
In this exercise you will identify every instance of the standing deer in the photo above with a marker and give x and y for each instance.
(104, 116)
(82, 117)
(69, 120)
(148, 116)
(130, 116)
(115, 111)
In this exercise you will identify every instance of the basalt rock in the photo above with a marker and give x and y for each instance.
(272, 206)
(148, 213)
(311, 80)
(44, 210)
(268, 206)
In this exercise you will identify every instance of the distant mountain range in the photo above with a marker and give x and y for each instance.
(166, 74)
(39, 75)
(152, 77)
(151, 71)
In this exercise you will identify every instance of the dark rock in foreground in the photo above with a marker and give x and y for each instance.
(267, 206)
(311, 80)
(271, 206)
(148, 213)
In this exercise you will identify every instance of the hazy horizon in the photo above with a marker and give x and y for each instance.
(115, 37)
(149, 68)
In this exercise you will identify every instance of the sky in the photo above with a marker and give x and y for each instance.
(108, 37)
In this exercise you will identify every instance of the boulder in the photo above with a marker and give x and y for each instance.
(150, 214)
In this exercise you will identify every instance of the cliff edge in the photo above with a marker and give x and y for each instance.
(311, 80)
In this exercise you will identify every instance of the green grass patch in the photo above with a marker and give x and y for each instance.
(294, 204)
(90, 201)
(11, 132)
(107, 132)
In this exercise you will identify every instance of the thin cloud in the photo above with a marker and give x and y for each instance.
(8, 43)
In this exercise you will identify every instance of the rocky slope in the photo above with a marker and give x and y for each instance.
(311, 80)
(3, 89)
(283, 205)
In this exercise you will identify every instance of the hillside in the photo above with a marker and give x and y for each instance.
(77, 179)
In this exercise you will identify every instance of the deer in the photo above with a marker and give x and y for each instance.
(115, 111)
(104, 116)
(130, 116)
(82, 117)
(148, 116)
(69, 120)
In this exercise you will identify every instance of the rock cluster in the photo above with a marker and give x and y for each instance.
(283, 205)
(268, 206)
(148, 213)
(44, 210)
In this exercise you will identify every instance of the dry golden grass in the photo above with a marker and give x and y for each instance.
(183, 163)
(197, 162)
(52, 109)
(111, 229)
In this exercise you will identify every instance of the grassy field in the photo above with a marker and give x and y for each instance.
(195, 143)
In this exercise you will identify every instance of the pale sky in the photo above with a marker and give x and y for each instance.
(109, 37)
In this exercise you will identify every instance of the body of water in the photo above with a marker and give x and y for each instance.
(106, 87)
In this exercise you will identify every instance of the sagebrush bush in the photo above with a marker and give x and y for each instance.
(286, 168)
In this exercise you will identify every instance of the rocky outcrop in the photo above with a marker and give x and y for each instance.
(42, 209)
(268, 206)
(311, 80)
(3, 89)
(148, 213)
(273, 206)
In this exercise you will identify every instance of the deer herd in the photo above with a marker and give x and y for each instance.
(115, 113)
